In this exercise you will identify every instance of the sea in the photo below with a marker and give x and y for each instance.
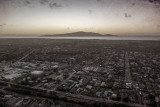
(155, 38)
(108, 38)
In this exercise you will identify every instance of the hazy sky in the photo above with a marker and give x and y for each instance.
(40, 17)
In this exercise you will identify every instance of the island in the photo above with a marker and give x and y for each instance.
(80, 34)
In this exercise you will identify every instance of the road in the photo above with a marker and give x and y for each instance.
(106, 63)
(70, 76)
(26, 55)
(127, 69)
(9, 63)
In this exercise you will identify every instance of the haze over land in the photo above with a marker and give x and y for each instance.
(49, 17)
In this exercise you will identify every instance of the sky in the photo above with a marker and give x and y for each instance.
(47, 17)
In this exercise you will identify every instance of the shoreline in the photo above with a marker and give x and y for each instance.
(90, 38)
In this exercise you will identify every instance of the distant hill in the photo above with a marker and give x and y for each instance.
(79, 34)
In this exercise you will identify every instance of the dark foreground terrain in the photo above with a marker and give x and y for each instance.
(79, 73)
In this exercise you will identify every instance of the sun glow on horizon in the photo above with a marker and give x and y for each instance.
(41, 17)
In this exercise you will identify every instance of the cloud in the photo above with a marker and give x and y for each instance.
(68, 28)
(2, 25)
(52, 5)
(133, 4)
(158, 26)
(154, 1)
(28, 2)
(127, 15)
(44, 2)
(90, 11)
(49, 3)
(31, 3)
(88, 28)
(100, 0)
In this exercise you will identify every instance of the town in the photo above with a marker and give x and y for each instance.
(79, 73)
